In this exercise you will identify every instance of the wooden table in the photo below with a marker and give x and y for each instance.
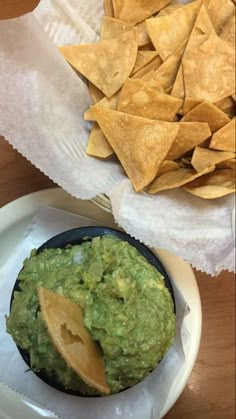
(210, 391)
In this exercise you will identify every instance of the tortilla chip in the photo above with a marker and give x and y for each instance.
(227, 105)
(108, 8)
(135, 11)
(152, 81)
(219, 12)
(153, 65)
(98, 146)
(106, 102)
(203, 158)
(224, 138)
(164, 38)
(107, 64)
(228, 31)
(143, 37)
(189, 104)
(111, 27)
(209, 70)
(207, 112)
(201, 31)
(94, 92)
(213, 185)
(228, 164)
(65, 324)
(143, 58)
(186, 162)
(147, 47)
(140, 144)
(169, 9)
(138, 99)
(168, 166)
(176, 178)
(189, 136)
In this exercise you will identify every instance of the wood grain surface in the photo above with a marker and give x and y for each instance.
(210, 392)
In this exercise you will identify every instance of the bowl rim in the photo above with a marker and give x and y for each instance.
(70, 237)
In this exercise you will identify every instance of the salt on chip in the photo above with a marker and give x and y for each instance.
(65, 324)
(138, 99)
(140, 144)
(106, 102)
(209, 70)
(189, 136)
(108, 8)
(219, 12)
(201, 31)
(143, 58)
(135, 11)
(94, 92)
(203, 158)
(153, 65)
(98, 146)
(169, 32)
(176, 178)
(207, 112)
(224, 138)
(111, 27)
(214, 185)
(107, 64)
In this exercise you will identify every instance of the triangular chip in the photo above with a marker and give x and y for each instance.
(203, 158)
(176, 178)
(189, 136)
(152, 81)
(219, 12)
(167, 166)
(189, 104)
(143, 37)
(143, 58)
(94, 92)
(108, 8)
(224, 138)
(214, 78)
(107, 64)
(98, 146)
(140, 144)
(166, 39)
(201, 31)
(134, 11)
(214, 185)
(111, 27)
(207, 112)
(151, 66)
(169, 9)
(138, 99)
(228, 31)
(106, 102)
(65, 324)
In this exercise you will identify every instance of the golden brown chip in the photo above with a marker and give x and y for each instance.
(226, 103)
(224, 138)
(111, 27)
(207, 112)
(98, 146)
(219, 12)
(143, 37)
(228, 31)
(135, 11)
(65, 324)
(168, 166)
(140, 144)
(189, 104)
(169, 9)
(209, 70)
(143, 58)
(153, 65)
(189, 136)
(185, 162)
(94, 92)
(170, 32)
(213, 185)
(203, 158)
(201, 31)
(176, 178)
(152, 81)
(147, 47)
(107, 64)
(138, 99)
(108, 8)
(106, 102)
(228, 164)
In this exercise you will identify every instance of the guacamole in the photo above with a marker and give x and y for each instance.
(127, 309)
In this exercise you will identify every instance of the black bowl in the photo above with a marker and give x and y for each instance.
(78, 236)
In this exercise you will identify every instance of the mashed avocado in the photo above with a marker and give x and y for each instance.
(127, 309)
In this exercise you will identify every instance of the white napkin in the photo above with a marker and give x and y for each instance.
(42, 102)
(144, 401)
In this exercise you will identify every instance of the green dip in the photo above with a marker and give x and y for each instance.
(127, 309)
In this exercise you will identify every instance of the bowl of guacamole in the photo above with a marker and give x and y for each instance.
(126, 297)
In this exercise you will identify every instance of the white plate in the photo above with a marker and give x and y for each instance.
(15, 217)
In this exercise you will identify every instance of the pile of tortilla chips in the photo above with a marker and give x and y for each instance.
(162, 79)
